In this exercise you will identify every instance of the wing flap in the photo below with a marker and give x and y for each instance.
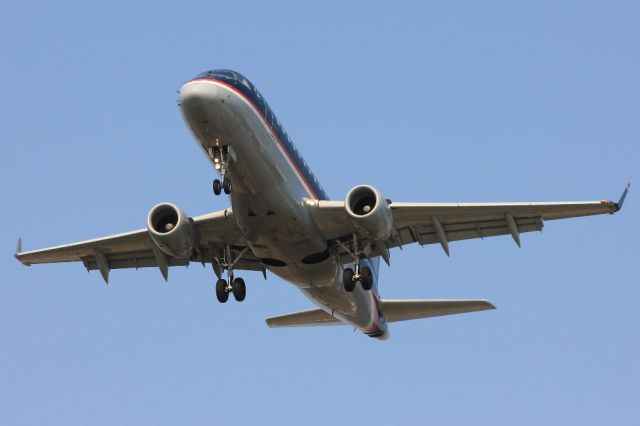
(312, 317)
(426, 234)
(140, 259)
(404, 310)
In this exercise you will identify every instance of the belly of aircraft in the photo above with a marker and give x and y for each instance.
(287, 244)
(267, 196)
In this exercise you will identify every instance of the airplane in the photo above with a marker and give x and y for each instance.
(282, 220)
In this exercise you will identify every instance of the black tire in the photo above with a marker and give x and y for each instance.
(239, 289)
(366, 278)
(221, 291)
(217, 187)
(226, 185)
(347, 280)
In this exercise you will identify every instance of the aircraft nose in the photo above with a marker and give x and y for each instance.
(196, 93)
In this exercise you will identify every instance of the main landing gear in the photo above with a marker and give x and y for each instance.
(361, 273)
(231, 284)
(221, 158)
(237, 287)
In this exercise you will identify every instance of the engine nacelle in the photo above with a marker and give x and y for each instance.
(171, 230)
(369, 212)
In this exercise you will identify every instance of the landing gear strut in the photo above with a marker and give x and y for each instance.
(221, 159)
(231, 284)
(361, 273)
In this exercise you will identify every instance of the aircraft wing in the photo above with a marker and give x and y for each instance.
(442, 223)
(136, 249)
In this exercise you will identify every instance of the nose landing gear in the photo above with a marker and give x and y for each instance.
(221, 159)
(225, 186)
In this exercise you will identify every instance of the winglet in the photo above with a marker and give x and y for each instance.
(19, 252)
(622, 197)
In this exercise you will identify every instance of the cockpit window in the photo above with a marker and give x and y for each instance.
(205, 74)
(227, 75)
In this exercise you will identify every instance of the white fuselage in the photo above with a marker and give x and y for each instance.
(271, 186)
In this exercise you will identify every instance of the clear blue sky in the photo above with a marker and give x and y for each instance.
(483, 101)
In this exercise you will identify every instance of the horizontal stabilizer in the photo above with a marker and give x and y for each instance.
(404, 310)
(393, 310)
(311, 317)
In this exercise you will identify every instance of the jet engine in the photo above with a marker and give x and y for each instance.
(171, 230)
(369, 212)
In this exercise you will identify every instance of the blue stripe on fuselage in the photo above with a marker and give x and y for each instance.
(244, 86)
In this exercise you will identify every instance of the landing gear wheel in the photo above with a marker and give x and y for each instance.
(347, 280)
(366, 278)
(226, 185)
(217, 187)
(239, 289)
(221, 291)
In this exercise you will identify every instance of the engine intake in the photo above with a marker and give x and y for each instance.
(171, 230)
(369, 212)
